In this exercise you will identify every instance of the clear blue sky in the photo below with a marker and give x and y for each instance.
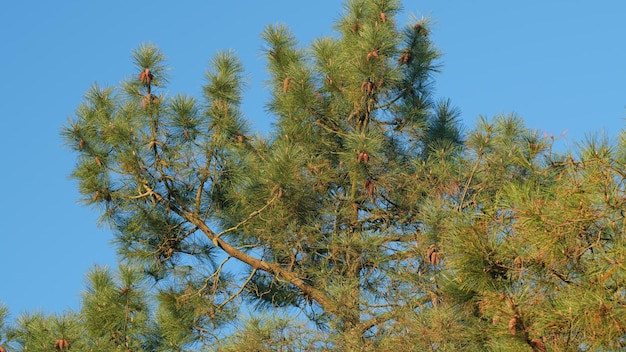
(558, 64)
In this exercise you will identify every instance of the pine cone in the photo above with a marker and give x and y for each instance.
(434, 257)
(362, 157)
(372, 54)
(405, 58)
(437, 258)
(364, 86)
(419, 29)
(538, 345)
(149, 99)
(369, 87)
(356, 26)
(61, 345)
(513, 325)
(146, 76)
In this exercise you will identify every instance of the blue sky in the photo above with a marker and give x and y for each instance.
(560, 65)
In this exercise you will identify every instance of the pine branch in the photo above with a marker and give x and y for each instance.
(255, 263)
(260, 264)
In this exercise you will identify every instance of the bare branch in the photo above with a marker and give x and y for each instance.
(243, 286)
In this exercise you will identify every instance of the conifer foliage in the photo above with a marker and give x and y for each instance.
(367, 216)
(314, 212)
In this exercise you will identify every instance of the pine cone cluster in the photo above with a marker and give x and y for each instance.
(146, 76)
(433, 255)
(61, 345)
(362, 157)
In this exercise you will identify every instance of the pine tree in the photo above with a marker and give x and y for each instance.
(533, 245)
(366, 212)
(321, 213)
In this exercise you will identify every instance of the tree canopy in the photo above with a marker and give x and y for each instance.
(367, 220)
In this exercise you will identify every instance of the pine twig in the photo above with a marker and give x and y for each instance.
(251, 216)
(469, 181)
(243, 286)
